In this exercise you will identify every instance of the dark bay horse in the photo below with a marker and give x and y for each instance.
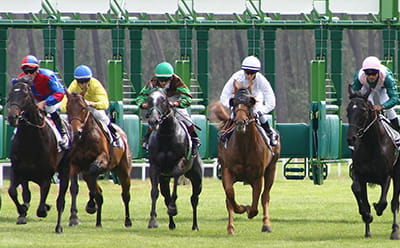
(246, 158)
(170, 157)
(34, 154)
(91, 154)
(375, 159)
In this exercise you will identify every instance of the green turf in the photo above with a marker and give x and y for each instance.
(302, 214)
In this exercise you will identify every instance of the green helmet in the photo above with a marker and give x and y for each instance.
(164, 69)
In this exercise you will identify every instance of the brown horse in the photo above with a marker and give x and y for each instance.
(246, 158)
(92, 154)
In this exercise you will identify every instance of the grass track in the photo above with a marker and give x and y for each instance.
(303, 215)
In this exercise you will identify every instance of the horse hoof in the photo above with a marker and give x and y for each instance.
(59, 229)
(195, 228)
(128, 222)
(395, 235)
(41, 213)
(74, 222)
(47, 206)
(21, 220)
(152, 224)
(171, 226)
(91, 209)
(380, 207)
(251, 214)
(266, 229)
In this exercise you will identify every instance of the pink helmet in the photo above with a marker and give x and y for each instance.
(371, 63)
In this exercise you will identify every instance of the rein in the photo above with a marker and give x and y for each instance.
(361, 131)
(246, 122)
(164, 116)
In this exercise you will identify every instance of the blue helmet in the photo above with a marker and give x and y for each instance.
(82, 72)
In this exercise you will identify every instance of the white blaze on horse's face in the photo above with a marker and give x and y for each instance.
(354, 106)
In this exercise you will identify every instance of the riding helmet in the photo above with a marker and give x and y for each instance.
(30, 61)
(164, 70)
(82, 72)
(251, 63)
(371, 63)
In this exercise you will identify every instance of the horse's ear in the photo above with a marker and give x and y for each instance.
(351, 91)
(252, 101)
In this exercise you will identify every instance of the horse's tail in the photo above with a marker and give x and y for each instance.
(219, 112)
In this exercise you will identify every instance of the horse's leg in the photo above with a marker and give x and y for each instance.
(26, 194)
(91, 206)
(13, 193)
(154, 178)
(95, 190)
(395, 203)
(268, 182)
(227, 183)
(125, 179)
(382, 203)
(74, 190)
(44, 191)
(252, 211)
(195, 175)
(169, 200)
(63, 176)
(360, 192)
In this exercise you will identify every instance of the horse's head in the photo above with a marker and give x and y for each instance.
(77, 111)
(242, 106)
(158, 107)
(20, 101)
(360, 114)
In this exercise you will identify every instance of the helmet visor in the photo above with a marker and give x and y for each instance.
(29, 70)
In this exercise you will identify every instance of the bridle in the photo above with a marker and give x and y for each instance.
(21, 116)
(246, 122)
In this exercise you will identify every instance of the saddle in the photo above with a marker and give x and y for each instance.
(57, 134)
(393, 134)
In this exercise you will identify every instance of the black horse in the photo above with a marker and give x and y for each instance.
(375, 159)
(34, 154)
(170, 157)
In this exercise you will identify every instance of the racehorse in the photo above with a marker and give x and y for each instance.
(247, 158)
(92, 154)
(170, 157)
(34, 154)
(375, 159)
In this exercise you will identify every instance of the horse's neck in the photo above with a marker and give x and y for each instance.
(376, 136)
(168, 125)
(245, 140)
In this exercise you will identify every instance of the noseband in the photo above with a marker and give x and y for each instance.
(243, 123)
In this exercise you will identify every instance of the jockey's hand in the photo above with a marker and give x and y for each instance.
(174, 104)
(378, 108)
(89, 103)
(41, 105)
(144, 105)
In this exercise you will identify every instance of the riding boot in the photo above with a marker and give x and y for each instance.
(64, 138)
(272, 135)
(195, 140)
(146, 137)
(395, 124)
(115, 135)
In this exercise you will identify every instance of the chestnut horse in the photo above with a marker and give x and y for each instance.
(247, 158)
(375, 159)
(92, 154)
(34, 154)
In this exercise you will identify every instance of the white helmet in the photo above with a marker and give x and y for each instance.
(251, 63)
(371, 63)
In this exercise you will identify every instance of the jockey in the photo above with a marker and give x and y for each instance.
(259, 87)
(48, 92)
(383, 94)
(95, 96)
(178, 94)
